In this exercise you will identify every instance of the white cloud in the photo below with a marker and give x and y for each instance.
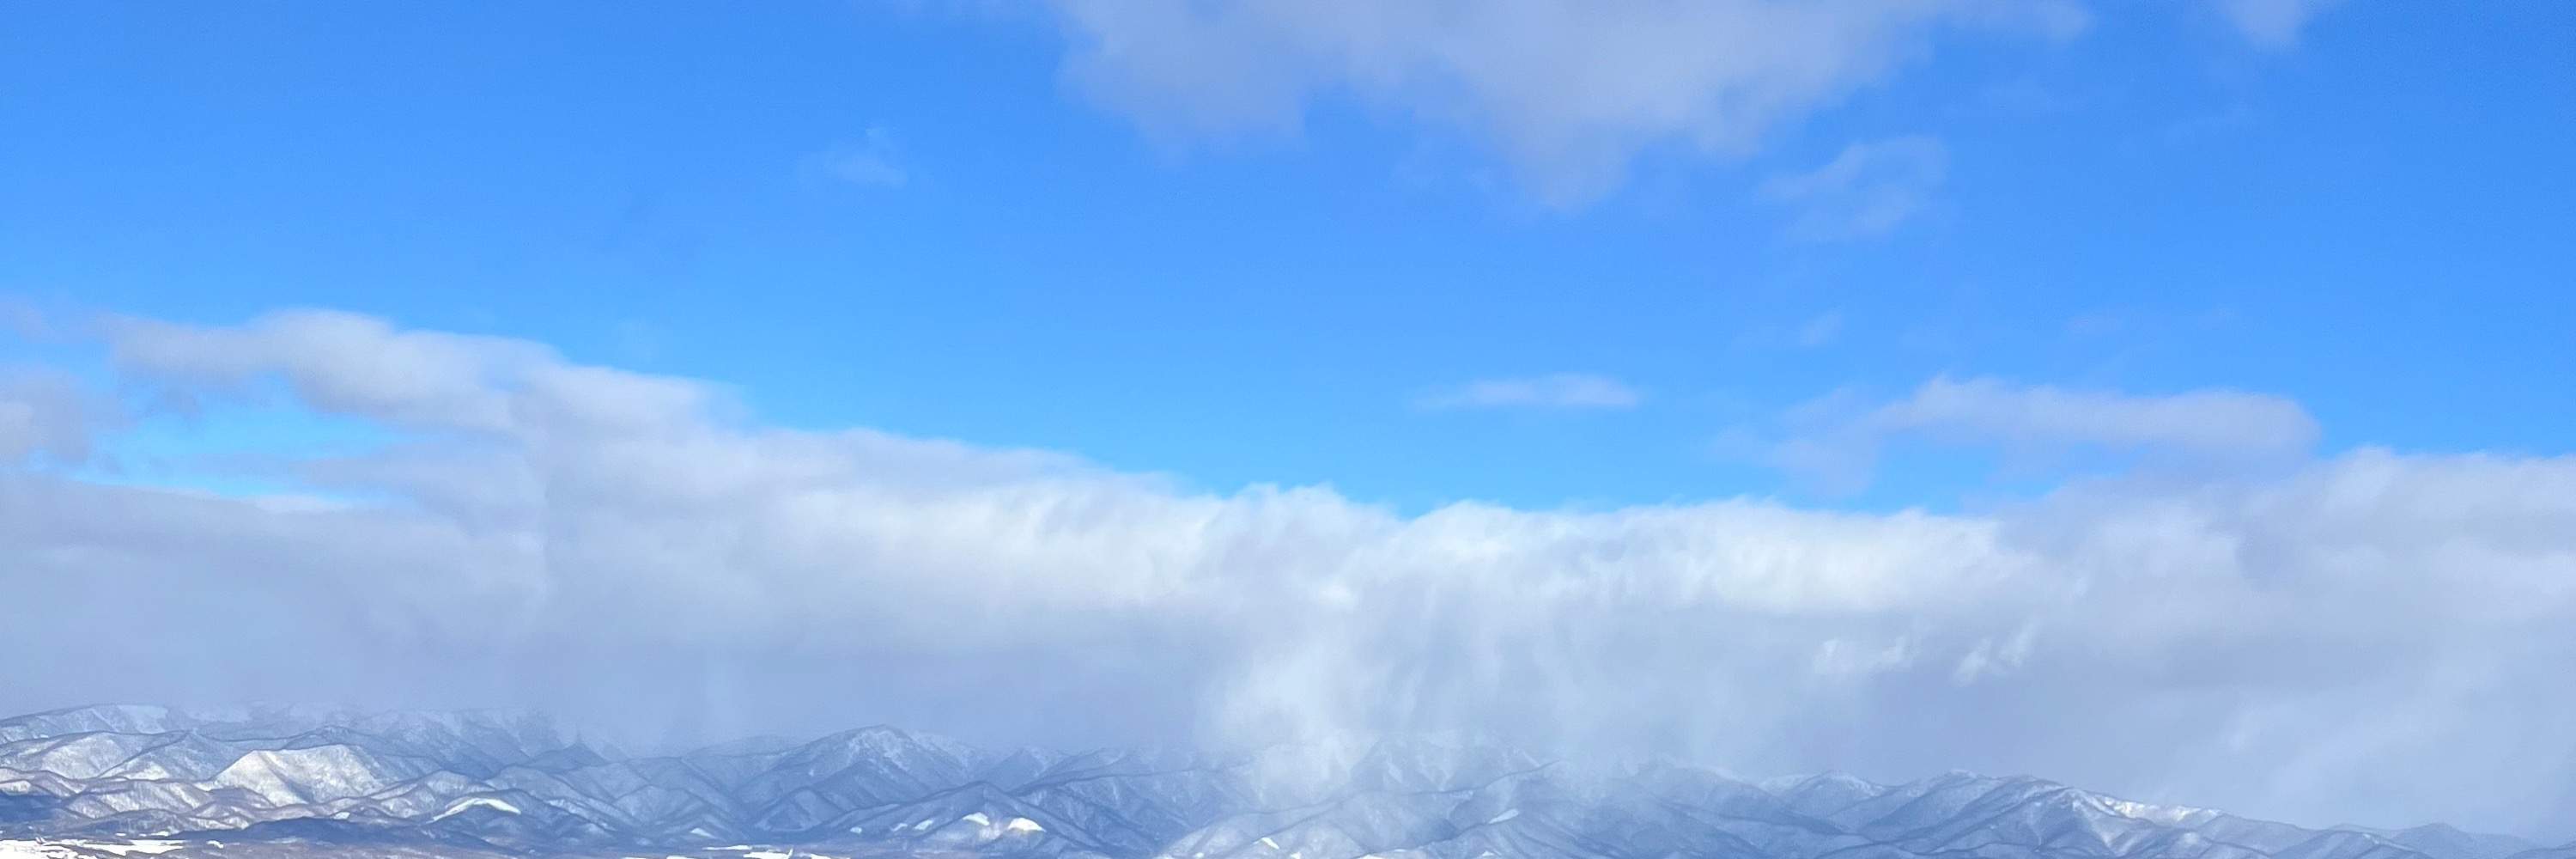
(1570, 92)
(1868, 189)
(1551, 391)
(2373, 636)
(1837, 439)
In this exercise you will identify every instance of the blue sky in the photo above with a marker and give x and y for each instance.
(1889, 387)
(2365, 221)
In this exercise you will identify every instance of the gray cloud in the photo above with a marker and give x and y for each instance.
(2374, 636)
(46, 417)
(1569, 92)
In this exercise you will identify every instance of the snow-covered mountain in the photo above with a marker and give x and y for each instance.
(112, 781)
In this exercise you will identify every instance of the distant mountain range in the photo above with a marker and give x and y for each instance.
(113, 781)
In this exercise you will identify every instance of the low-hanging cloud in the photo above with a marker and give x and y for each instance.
(635, 552)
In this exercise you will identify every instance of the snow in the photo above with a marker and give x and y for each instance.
(475, 802)
(764, 854)
(144, 847)
(978, 819)
(2170, 815)
(1507, 814)
(1022, 824)
(1266, 842)
(22, 849)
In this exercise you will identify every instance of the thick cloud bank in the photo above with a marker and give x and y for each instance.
(2377, 637)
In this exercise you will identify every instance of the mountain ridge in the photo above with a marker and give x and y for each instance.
(516, 783)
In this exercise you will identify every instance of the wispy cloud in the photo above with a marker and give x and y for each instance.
(1836, 440)
(22, 319)
(1821, 330)
(1868, 190)
(2208, 421)
(1551, 391)
(2272, 23)
(1813, 332)
(872, 161)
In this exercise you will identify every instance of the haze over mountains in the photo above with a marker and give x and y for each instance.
(117, 780)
